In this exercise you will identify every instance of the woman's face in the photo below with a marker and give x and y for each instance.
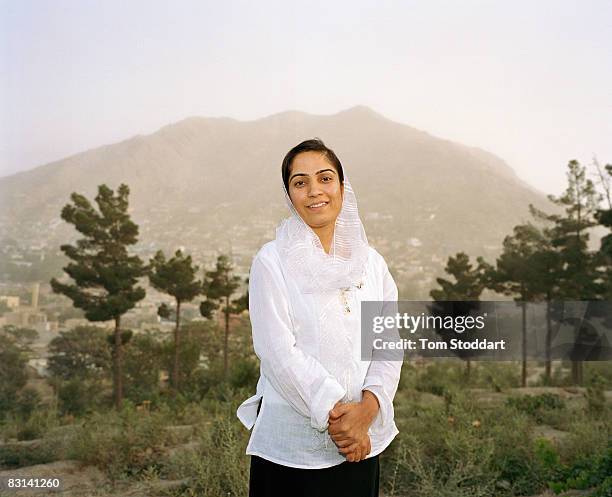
(315, 189)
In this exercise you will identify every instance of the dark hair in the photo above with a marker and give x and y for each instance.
(314, 145)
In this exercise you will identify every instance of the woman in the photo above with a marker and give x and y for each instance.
(325, 413)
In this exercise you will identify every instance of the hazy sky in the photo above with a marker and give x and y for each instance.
(530, 81)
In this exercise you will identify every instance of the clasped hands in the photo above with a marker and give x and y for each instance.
(349, 423)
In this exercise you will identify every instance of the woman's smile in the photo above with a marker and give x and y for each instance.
(318, 206)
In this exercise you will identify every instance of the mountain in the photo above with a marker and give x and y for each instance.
(210, 184)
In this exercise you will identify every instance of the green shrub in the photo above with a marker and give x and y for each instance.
(41, 439)
(38, 424)
(586, 437)
(515, 456)
(143, 362)
(28, 401)
(495, 375)
(536, 405)
(595, 394)
(408, 377)
(441, 375)
(440, 454)
(486, 451)
(123, 443)
(591, 472)
(219, 465)
(548, 459)
(79, 396)
(244, 373)
(600, 369)
(13, 376)
(17, 455)
(604, 489)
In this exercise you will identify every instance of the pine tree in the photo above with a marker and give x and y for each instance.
(545, 272)
(104, 273)
(176, 277)
(521, 271)
(468, 285)
(604, 218)
(578, 277)
(219, 286)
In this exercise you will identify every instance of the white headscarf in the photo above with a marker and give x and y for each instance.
(315, 270)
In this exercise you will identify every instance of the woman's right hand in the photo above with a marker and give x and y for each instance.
(357, 451)
(348, 428)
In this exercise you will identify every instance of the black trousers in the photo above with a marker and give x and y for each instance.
(348, 479)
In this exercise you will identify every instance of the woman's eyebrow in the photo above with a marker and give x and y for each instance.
(318, 172)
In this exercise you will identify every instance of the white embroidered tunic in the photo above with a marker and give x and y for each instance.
(309, 346)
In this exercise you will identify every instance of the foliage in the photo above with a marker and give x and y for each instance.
(19, 455)
(44, 422)
(78, 396)
(527, 266)
(461, 452)
(604, 217)
(13, 376)
(244, 373)
(467, 286)
(80, 365)
(600, 369)
(595, 395)
(217, 466)
(123, 443)
(587, 473)
(176, 277)
(579, 277)
(468, 281)
(104, 273)
(570, 234)
(500, 454)
(82, 352)
(28, 402)
(189, 361)
(23, 338)
(441, 376)
(219, 286)
(496, 376)
(145, 358)
(534, 405)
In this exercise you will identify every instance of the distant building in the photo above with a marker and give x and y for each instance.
(35, 293)
(27, 317)
(11, 301)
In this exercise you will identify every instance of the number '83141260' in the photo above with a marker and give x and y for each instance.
(8, 483)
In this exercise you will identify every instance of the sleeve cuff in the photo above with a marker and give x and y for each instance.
(385, 407)
(324, 401)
